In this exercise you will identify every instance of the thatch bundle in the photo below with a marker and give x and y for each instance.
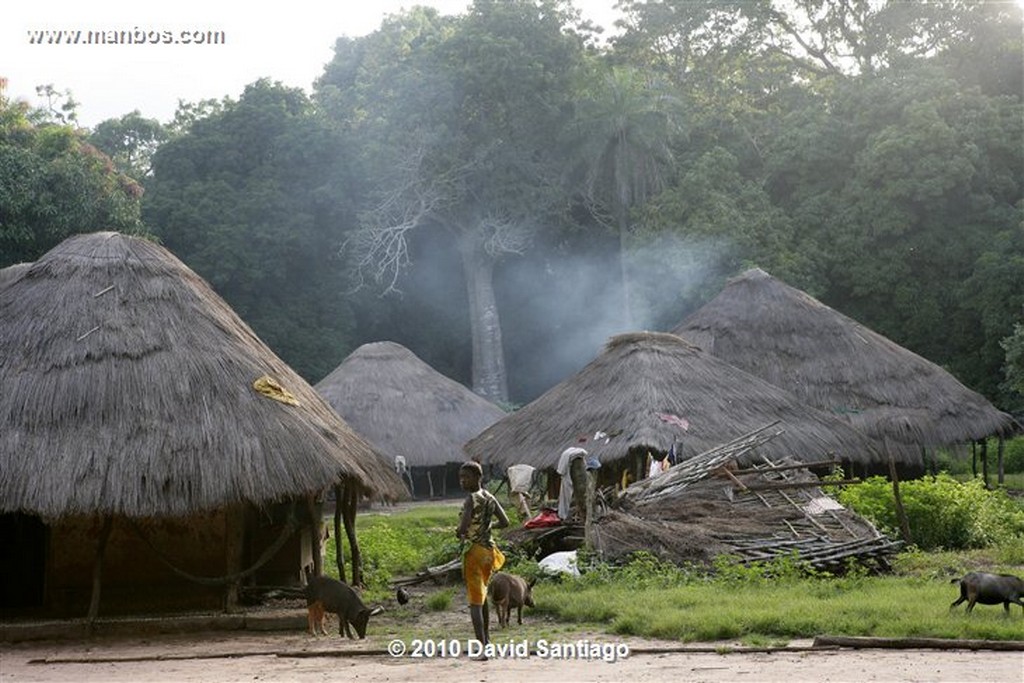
(639, 380)
(833, 363)
(405, 407)
(128, 390)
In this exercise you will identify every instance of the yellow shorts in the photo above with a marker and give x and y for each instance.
(477, 565)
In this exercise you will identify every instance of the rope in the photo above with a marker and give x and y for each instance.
(290, 528)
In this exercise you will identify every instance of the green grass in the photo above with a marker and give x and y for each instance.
(440, 601)
(398, 544)
(652, 599)
(1012, 481)
(801, 608)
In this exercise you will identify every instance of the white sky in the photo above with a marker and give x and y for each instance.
(291, 45)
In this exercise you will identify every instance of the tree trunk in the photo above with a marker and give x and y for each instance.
(627, 306)
(489, 376)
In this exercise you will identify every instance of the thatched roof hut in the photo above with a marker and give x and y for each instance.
(128, 390)
(641, 390)
(12, 273)
(834, 363)
(405, 407)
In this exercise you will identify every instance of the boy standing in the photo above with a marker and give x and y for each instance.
(480, 513)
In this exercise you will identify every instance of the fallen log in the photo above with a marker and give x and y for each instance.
(438, 573)
(917, 643)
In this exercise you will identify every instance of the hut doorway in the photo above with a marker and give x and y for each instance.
(436, 481)
(23, 569)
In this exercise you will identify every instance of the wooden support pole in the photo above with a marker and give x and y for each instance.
(588, 526)
(974, 460)
(984, 461)
(339, 495)
(97, 571)
(316, 534)
(901, 513)
(234, 550)
(1000, 479)
(351, 500)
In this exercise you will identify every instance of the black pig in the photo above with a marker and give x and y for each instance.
(990, 589)
(324, 594)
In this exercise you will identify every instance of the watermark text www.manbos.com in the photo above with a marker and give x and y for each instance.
(133, 36)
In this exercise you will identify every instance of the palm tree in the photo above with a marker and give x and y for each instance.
(625, 125)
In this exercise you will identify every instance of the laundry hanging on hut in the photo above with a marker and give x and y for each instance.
(563, 469)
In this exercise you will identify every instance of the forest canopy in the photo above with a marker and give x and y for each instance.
(502, 190)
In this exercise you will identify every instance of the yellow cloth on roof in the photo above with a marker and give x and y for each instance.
(271, 388)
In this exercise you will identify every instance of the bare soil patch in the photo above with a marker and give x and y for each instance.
(292, 655)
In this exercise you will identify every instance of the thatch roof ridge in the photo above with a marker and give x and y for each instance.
(404, 406)
(791, 339)
(128, 389)
(639, 378)
(12, 273)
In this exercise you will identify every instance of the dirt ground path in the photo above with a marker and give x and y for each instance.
(242, 656)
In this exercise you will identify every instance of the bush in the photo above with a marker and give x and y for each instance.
(942, 512)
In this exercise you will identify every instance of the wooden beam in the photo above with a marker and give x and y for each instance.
(917, 643)
(780, 468)
(776, 486)
(730, 475)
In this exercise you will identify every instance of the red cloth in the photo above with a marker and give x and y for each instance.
(546, 517)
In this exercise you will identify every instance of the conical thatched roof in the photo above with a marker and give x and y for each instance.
(12, 273)
(834, 363)
(641, 376)
(405, 407)
(128, 388)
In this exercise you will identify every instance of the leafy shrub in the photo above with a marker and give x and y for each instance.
(942, 512)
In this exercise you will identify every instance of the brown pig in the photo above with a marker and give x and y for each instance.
(508, 591)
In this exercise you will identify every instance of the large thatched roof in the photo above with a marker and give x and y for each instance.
(405, 407)
(834, 363)
(642, 376)
(128, 388)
